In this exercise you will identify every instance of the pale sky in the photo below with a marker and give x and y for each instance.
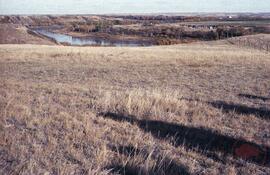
(130, 6)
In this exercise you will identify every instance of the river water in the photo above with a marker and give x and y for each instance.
(80, 41)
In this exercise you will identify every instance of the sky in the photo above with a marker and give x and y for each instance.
(130, 6)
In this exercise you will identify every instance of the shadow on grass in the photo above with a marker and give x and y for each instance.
(254, 97)
(125, 169)
(163, 165)
(241, 109)
(205, 141)
(8, 163)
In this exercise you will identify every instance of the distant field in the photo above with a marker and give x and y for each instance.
(202, 108)
(244, 23)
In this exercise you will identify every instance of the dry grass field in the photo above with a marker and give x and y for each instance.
(260, 42)
(201, 108)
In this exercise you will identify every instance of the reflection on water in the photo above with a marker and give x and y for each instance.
(61, 38)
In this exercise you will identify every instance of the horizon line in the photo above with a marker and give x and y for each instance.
(136, 13)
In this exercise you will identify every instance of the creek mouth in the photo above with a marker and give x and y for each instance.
(89, 40)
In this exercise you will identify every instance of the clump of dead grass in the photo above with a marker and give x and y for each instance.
(142, 103)
(146, 161)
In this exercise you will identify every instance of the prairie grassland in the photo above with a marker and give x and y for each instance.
(183, 109)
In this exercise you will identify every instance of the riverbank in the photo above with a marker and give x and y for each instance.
(19, 34)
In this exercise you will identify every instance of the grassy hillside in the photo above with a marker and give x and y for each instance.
(19, 34)
(185, 109)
